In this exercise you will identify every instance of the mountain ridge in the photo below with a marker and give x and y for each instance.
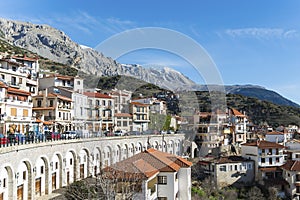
(55, 45)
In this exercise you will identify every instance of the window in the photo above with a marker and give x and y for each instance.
(235, 167)
(78, 82)
(277, 159)
(20, 80)
(24, 175)
(39, 103)
(13, 112)
(125, 123)
(249, 166)
(51, 103)
(4, 183)
(162, 198)
(56, 165)
(270, 161)
(71, 161)
(25, 113)
(223, 168)
(42, 169)
(162, 180)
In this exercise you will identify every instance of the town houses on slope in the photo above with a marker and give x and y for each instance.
(33, 101)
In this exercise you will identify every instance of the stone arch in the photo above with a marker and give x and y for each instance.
(107, 156)
(100, 159)
(164, 146)
(178, 147)
(139, 147)
(56, 169)
(126, 151)
(70, 166)
(133, 150)
(24, 180)
(155, 145)
(171, 147)
(84, 163)
(119, 153)
(41, 176)
(7, 178)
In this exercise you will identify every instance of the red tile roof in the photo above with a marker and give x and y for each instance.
(3, 85)
(292, 165)
(139, 104)
(123, 115)
(97, 95)
(264, 144)
(25, 58)
(150, 162)
(17, 91)
(237, 113)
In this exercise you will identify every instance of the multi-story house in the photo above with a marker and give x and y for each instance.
(54, 110)
(156, 106)
(228, 171)
(15, 110)
(238, 123)
(123, 121)
(30, 66)
(278, 137)
(291, 173)
(140, 116)
(70, 82)
(208, 128)
(159, 175)
(121, 99)
(20, 73)
(71, 87)
(268, 157)
(100, 114)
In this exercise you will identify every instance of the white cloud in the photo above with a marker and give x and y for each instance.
(262, 33)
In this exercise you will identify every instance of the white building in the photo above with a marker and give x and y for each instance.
(121, 99)
(162, 175)
(15, 110)
(100, 111)
(278, 137)
(228, 171)
(268, 158)
(291, 173)
(140, 116)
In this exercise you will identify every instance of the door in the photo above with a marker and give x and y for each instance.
(1, 196)
(38, 187)
(54, 181)
(82, 171)
(68, 178)
(20, 192)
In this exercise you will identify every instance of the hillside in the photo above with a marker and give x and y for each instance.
(260, 93)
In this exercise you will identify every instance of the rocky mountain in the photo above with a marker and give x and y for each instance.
(55, 45)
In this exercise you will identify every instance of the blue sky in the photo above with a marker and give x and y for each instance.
(251, 42)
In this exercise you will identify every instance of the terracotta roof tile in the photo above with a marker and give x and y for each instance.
(237, 113)
(139, 104)
(150, 162)
(264, 144)
(17, 91)
(97, 95)
(292, 165)
(123, 115)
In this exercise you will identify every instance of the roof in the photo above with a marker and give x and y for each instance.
(139, 104)
(25, 58)
(123, 115)
(223, 160)
(274, 133)
(237, 113)
(262, 144)
(97, 95)
(17, 91)
(292, 165)
(150, 162)
(3, 85)
(60, 96)
(43, 108)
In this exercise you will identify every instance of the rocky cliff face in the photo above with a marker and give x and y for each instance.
(57, 46)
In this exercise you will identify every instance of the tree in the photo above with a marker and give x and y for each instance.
(255, 194)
